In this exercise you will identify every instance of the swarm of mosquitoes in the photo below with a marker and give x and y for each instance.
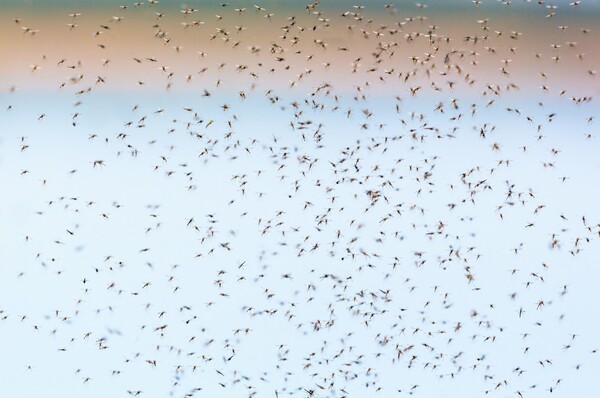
(321, 199)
